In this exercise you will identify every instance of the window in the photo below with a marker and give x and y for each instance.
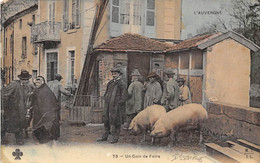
(115, 11)
(72, 65)
(137, 12)
(197, 60)
(124, 11)
(34, 74)
(150, 12)
(65, 14)
(52, 12)
(52, 62)
(6, 46)
(184, 61)
(75, 14)
(35, 49)
(33, 19)
(21, 24)
(24, 47)
(11, 44)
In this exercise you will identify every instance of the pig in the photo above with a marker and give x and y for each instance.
(144, 120)
(183, 118)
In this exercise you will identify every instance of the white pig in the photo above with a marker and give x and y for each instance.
(183, 118)
(145, 119)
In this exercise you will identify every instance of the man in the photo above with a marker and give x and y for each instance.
(153, 90)
(45, 110)
(134, 103)
(115, 97)
(14, 98)
(185, 95)
(172, 92)
(159, 74)
(164, 93)
(57, 89)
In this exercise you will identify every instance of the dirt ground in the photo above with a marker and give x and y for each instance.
(80, 133)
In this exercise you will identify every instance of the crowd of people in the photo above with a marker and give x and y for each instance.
(24, 102)
(168, 92)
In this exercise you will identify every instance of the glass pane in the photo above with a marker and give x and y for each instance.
(116, 2)
(150, 4)
(197, 60)
(115, 13)
(185, 61)
(150, 18)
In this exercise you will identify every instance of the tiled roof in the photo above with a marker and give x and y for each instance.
(13, 7)
(192, 42)
(133, 42)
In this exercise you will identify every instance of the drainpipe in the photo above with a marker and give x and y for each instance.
(13, 52)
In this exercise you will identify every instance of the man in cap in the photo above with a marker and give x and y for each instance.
(172, 92)
(185, 95)
(134, 103)
(14, 98)
(57, 88)
(115, 97)
(153, 90)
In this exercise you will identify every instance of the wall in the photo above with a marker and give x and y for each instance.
(168, 19)
(31, 61)
(107, 61)
(183, 63)
(234, 120)
(228, 73)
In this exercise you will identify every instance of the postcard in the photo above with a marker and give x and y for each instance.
(130, 81)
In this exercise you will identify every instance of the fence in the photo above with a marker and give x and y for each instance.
(88, 110)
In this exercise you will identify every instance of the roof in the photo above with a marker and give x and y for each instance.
(204, 41)
(13, 7)
(192, 42)
(134, 43)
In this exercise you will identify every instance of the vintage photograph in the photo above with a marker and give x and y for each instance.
(130, 81)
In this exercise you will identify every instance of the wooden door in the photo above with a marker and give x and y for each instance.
(139, 61)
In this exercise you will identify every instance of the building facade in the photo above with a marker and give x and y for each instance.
(53, 36)
(18, 53)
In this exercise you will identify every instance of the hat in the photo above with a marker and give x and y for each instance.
(24, 75)
(169, 72)
(180, 80)
(116, 69)
(135, 72)
(58, 76)
(152, 74)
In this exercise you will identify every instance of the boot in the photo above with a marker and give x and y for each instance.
(104, 137)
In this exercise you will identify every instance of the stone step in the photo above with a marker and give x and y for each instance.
(227, 154)
(245, 151)
(249, 145)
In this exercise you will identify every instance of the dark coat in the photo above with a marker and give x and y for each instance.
(14, 98)
(115, 97)
(45, 113)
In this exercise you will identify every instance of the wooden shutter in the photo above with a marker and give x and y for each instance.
(77, 12)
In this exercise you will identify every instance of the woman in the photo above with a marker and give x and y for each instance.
(45, 110)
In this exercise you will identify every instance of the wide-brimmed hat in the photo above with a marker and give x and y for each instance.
(180, 80)
(169, 72)
(116, 69)
(24, 75)
(135, 73)
(152, 74)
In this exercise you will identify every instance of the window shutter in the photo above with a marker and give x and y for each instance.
(78, 13)
(150, 13)
(65, 15)
(115, 11)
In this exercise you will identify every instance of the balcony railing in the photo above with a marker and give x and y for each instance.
(45, 31)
